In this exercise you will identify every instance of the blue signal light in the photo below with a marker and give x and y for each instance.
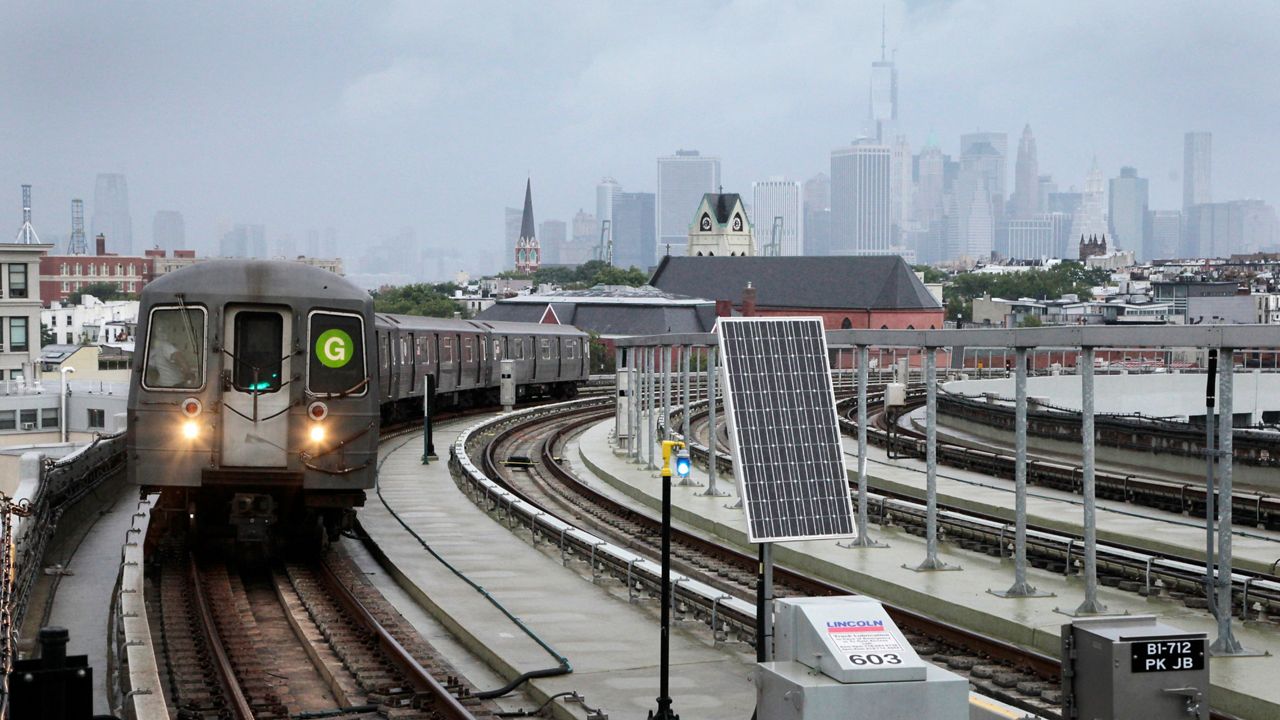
(682, 464)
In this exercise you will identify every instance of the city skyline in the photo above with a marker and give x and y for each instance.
(384, 135)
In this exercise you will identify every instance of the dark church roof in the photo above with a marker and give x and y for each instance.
(526, 222)
(880, 282)
(723, 204)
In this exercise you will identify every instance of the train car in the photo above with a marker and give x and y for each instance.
(261, 387)
(254, 396)
(461, 361)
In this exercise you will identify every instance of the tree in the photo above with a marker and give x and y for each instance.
(931, 273)
(426, 299)
(102, 290)
(1067, 278)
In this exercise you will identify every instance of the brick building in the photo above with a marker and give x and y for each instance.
(845, 291)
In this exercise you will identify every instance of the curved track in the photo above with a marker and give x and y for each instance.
(1010, 673)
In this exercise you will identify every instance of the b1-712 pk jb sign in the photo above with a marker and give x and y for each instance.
(1167, 654)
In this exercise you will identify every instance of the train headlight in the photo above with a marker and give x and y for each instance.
(317, 433)
(318, 410)
(191, 407)
(190, 429)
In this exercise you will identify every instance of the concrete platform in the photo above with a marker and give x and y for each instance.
(612, 644)
(1245, 687)
(82, 603)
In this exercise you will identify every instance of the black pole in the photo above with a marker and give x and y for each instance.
(664, 711)
(761, 655)
(1210, 455)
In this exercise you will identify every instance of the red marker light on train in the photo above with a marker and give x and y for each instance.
(191, 407)
(318, 410)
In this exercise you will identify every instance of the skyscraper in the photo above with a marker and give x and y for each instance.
(511, 233)
(1197, 170)
(633, 234)
(1127, 216)
(552, 235)
(985, 153)
(1031, 239)
(930, 185)
(1164, 235)
(899, 186)
(683, 179)
(1026, 178)
(860, 200)
(817, 215)
(884, 94)
(168, 230)
(1089, 221)
(111, 213)
(777, 200)
(605, 192)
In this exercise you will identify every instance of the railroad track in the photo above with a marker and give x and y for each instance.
(291, 639)
(715, 581)
(1256, 595)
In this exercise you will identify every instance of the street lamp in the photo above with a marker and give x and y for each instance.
(66, 390)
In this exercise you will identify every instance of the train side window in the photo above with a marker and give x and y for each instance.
(446, 351)
(517, 348)
(571, 349)
(336, 357)
(258, 360)
(497, 349)
(175, 349)
(546, 349)
(468, 352)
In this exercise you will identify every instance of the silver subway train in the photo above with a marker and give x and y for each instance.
(259, 389)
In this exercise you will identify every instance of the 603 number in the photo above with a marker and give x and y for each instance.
(874, 659)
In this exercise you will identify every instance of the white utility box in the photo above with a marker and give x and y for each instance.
(844, 658)
(895, 395)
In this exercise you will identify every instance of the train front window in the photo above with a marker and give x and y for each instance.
(335, 361)
(175, 349)
(259, 337)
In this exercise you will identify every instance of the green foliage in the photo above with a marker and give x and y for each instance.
(47, 335)
(1041, 284)
(1030, 321)
(588, 274)
(602, 360)
(102, 290)
(426, 299)
(931, 274)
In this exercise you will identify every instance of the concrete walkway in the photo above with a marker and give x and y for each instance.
(612, 644)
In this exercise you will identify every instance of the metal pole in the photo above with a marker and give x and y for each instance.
(1091, 604)
(637, 396)
(427, 449)
(685, 351)
(1226, 644)
(666, 391)
(1020, 586)
(712, 490)
(764, 594)
(653, 399)
(931, 561)
(864, 536)
(1210, 457)
(664, 711)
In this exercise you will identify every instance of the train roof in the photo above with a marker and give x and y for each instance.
(419, 322)
(267, 279)
(530, 328)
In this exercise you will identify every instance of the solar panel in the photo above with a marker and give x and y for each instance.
(783, 429)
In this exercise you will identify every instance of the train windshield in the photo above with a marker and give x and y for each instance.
(175, 349)
(258, 355)
(336, 362)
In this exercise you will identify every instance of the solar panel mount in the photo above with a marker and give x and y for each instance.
(783, 430)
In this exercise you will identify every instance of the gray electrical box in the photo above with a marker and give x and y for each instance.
(507, 384)
(843, 657)
(1117, 668)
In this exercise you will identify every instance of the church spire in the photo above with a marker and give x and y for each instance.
(527, 250)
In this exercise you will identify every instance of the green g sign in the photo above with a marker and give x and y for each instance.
(334, 348)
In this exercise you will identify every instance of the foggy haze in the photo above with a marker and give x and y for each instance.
(375, 116)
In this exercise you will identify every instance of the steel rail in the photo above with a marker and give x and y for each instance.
(446, 703)
(239, 704)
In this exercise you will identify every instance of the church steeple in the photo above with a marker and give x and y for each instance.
(528, 253)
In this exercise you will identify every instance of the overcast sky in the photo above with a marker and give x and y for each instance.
(372, 116)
